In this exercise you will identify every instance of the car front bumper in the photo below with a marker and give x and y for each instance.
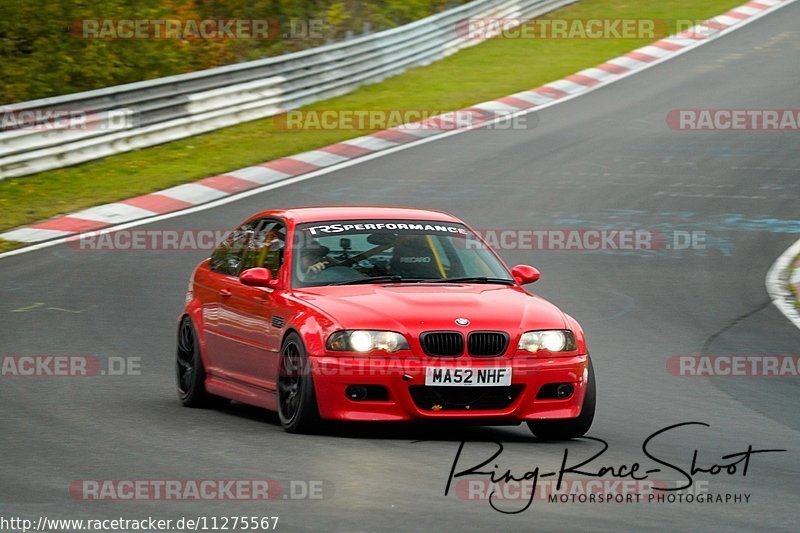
(399, 376)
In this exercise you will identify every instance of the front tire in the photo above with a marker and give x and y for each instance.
(190, 372)
(570, 428)
(297, 400)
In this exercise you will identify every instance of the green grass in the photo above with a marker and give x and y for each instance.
(491, 70)
(792, 270)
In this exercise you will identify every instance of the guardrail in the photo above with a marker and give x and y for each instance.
(137, 115)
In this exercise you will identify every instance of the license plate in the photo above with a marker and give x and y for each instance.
(468, 377)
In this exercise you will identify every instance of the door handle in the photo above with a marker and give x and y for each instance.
(225, 293)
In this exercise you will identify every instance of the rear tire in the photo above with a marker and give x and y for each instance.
(297, 400)
(570, 428)
(190, 372)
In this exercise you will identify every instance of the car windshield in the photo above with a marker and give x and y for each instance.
(393, 251)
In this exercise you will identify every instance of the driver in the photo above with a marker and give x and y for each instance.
(313, 259)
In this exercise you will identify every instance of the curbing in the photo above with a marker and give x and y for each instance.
(794, 280)
(783, 283)
(793, 276)
(214, 189)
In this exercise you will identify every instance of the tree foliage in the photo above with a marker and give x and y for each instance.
(42, 54)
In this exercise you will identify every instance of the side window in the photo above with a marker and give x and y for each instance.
(227, 258)
(266, 248)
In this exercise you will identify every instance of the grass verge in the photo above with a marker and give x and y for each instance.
(485, 72)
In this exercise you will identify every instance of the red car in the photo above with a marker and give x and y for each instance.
(379, 314)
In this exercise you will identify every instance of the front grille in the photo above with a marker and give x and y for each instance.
(487, 343)
(463, 398)
(442, 343)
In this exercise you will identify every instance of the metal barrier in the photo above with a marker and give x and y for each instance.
(137, 115)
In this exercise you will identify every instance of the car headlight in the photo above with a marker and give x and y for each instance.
(553, 340)
(362, 340)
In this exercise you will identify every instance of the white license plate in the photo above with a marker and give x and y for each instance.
(468, 377)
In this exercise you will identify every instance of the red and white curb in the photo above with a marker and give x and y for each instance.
(794, 279)
(783, 283)
(267, 174)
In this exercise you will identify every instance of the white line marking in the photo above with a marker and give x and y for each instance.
(371, 143)
(654, 51)
(596, 73)
(637, 66)
(680, 41)
(418, 129)
(192, 193)
(533, 97)
(260, 175)
(495, 107)
(567, 86)
(318, 158)
(727, 20)
(28, 234)
(747, 10)
(406, 146)
(113, 213)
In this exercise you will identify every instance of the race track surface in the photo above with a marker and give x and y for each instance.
(606, 159)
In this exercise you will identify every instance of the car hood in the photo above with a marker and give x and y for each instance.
(413, 308)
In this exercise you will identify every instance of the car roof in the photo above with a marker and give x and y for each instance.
(301, 215)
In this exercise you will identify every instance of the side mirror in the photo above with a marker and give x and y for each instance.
(256, 277)
(525, 274)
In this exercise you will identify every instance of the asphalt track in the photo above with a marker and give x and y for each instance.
(605, 159)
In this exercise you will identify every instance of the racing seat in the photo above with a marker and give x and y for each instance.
(414, 258)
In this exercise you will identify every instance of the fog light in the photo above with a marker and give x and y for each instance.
(564, 390)
(356, 393)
